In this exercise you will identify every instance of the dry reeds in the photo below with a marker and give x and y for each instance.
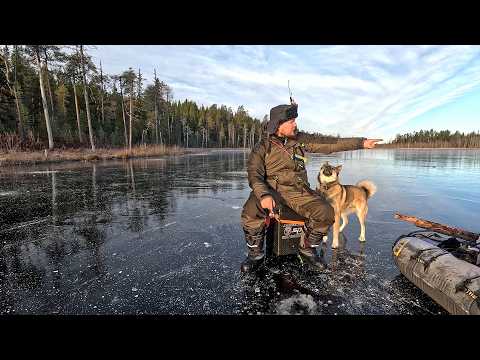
(22, 157)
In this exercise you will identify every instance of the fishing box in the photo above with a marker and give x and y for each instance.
(284, 235)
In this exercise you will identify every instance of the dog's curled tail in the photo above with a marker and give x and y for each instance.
(369, 187)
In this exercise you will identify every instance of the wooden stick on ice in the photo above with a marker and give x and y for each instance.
(440, 228)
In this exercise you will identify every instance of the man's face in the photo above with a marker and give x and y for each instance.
(288, 128)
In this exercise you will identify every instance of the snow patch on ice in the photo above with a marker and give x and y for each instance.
(297, 305)
(236, 207)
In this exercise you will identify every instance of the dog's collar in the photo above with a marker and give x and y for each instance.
(327, 186)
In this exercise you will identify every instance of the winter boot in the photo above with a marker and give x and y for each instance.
(255, 251)
(308, 252)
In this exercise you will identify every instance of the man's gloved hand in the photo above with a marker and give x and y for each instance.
(267, 202)
(370, 143)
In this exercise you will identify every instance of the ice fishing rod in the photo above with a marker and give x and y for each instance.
(290, 93)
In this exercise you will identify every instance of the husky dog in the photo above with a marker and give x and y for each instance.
(345, 199)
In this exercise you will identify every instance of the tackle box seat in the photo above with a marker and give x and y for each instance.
(284, 236)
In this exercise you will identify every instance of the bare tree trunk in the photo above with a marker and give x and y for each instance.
(168, 128)
(48, 85)
(156, 108)
(13, 88)
(85, 92)
(77, 111)
(123, 114)
(139, 87)
(44, 98)
(244, 136)
(168, 120)
(252, 136)
(101, 98)
(182, 137)
(131, 117)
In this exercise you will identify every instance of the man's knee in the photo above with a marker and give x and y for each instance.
(252, 217)
(322, 217)
(253, 225)
(329, 214)
(251, 222)
(323, 212)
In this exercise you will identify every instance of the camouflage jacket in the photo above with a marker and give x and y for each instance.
(279, 163)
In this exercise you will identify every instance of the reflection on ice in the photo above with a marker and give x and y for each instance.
(8, 193)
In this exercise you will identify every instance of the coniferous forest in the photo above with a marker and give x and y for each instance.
(57, 97)
(436, 139)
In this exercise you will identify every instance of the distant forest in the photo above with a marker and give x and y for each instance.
(56, 97)
(436, 139)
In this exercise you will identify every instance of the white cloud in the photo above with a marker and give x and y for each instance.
(351, 90)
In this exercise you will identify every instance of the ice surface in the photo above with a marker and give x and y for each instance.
(164, 237)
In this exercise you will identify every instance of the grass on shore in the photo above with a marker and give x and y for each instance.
(34, 157)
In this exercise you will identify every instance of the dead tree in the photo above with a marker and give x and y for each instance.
(103, 90)
(123, 113)
(131, 116)
(44, 98)
(156, 107)
(85, 92)
(48, 85)
(77, 111)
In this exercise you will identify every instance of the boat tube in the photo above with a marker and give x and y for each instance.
(450, 281)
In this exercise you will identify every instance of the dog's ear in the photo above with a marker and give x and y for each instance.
(338, 168)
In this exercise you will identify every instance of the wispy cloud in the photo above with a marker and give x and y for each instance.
(351, 90)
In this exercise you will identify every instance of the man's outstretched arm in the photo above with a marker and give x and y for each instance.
(330, 145)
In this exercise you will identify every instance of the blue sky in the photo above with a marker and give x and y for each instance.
(372, 91)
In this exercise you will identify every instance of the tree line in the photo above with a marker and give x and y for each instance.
(432, 138)
(56, 96)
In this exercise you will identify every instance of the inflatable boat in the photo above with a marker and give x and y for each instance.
(445, 268)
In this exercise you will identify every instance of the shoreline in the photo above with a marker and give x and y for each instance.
(86, 155)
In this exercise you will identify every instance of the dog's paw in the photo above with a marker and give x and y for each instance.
(361, 238)
(325, 238)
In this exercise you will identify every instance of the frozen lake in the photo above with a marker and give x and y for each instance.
(163, 236)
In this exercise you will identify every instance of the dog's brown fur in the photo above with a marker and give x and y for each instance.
(345, 199)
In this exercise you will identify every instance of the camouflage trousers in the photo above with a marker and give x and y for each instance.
(319, 215)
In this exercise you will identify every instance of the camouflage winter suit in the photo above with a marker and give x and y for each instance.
(274, 170)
